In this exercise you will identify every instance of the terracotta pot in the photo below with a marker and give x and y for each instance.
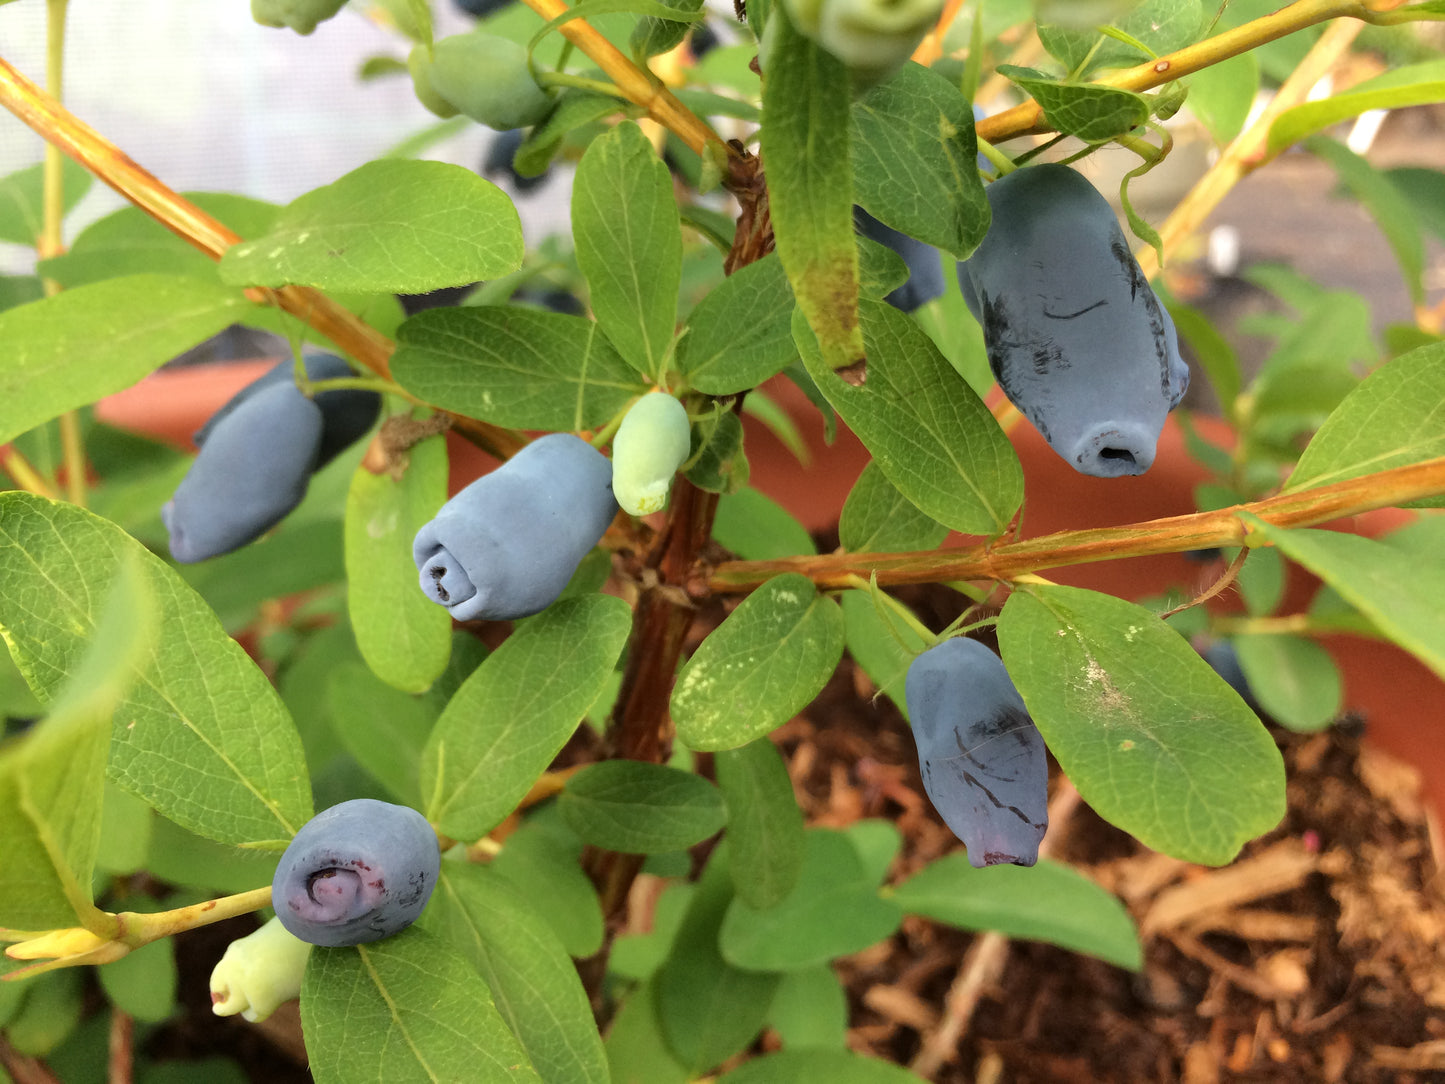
(1399, 697)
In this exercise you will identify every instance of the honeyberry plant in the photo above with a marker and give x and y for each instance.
(165, 747)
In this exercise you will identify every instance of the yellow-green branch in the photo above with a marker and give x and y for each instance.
(111, 165)
(1009, 560)
(1029, 117)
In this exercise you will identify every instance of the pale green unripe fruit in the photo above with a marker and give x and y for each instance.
(419, 64)
(487, 78)
(300, 15)
(872, 37)
(1081, 14)
(259, 972)
(652, 442)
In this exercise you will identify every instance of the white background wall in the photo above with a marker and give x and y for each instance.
(206, 99)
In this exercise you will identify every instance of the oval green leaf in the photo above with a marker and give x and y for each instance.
(403, 635)
(1155, 741)
(517, 710)
(636, 808)
(514, 367)
(1047, 902)
(760, 667)
(403, 1009)
(765, 825)
(200, 709)
(394, 225)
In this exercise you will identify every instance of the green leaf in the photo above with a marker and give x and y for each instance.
(574, 110)
(805, 136)
(403, 635)
(405, 1008)
(718, 462)
(637, 808)
(757, 528)
(1261, 579)
(877, 842)
(653, 35)
(513, 715)
(71, 349)
(51, 781)
(765, 825)
(812, 1066)
(130, 242)
(126, 825)
(877, 518)
(143, 982)
(1221, 95)
(394, 225)
(741, 333)
(515, 367)
(629, 244)
(20, 290)
(1048, 902)
(1396, 416)
(200, 711)
(1415, 84)
(533, 982)
(22, 200)
(1295, 680)
(883, 646)
(1155, 741)
(915, 160)
(930, 435)
(184, 858)
(810, 1010)
(760, 667)
(1160, 25)
(709, 1009)
(384, 728)
(541, 860)
(1088, 111)
(637, 956)
(637, 1051)
(834, 910)
(1386, 204)
(297, 557)
(1403, 595)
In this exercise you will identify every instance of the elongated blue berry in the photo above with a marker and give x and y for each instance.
(981, 756)
(257, 455)
(506, 545)
(356, 872)
(1075, 336)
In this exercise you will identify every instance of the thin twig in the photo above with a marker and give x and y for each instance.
(23, 472)
(1249, 150)
(984, 962)
(120, 1067)
(23, 1068)
(1229, 575)
(1173, 534)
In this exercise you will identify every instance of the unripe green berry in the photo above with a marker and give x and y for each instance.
(652, 442)
(259, 972)
(419, 64)
(300, 15)
(872, 37)
(487, 78)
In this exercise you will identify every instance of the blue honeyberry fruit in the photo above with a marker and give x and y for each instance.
(653, 441)
(925, 268)
(506, 545)
(499, 162)
(487, 77)
(356, 872)
(301, 16)
(981, 756)
(1075, 336)
(257, 455)
(482, 8)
